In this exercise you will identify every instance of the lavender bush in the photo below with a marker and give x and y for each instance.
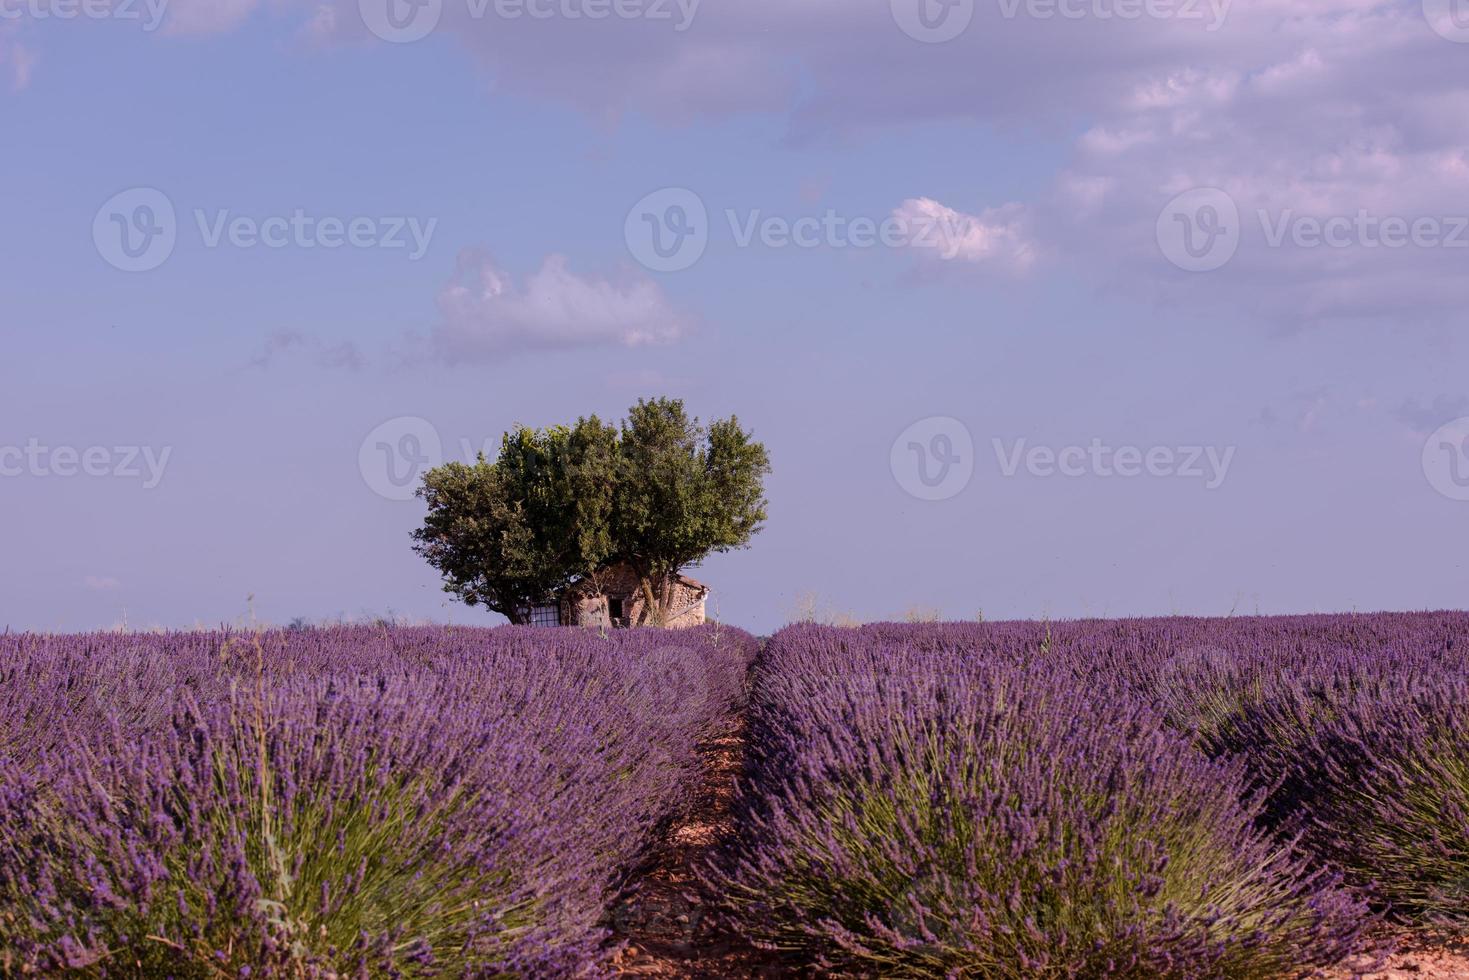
(953, 801)
(1388, 783)
(1368, 759)
(1354, 728)
(410, 802)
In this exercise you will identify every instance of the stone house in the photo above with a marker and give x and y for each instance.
(612, 598)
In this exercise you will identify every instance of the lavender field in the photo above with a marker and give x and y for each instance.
(1259, 797)
(345, 802)
(1149, 798)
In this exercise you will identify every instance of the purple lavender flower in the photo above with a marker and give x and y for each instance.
(414, 802)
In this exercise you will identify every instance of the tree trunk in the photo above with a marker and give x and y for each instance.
(665, 608)
(652, 609)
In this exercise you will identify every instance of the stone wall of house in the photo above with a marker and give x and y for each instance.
(586, 611)
(687, 607)
(693, 617)
(579, 609)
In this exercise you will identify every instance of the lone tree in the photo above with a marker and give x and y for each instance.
(658, 494)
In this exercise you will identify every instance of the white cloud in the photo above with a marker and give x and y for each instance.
(101, 583)
(996, 238)
(485, 313)
(1323, 107)
(1292, 130)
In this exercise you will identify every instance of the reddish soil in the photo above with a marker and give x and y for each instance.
(666, 919)
(1418, 956)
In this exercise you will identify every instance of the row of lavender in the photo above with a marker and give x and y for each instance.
(1152, 798)
(345, 802)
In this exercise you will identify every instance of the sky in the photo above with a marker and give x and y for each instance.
(1042, 307)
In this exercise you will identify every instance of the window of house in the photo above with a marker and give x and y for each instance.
(545, 616)
(614, 610)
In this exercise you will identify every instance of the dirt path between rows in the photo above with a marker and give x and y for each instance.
(666, 917)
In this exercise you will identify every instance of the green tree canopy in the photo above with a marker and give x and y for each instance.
(659, 493)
